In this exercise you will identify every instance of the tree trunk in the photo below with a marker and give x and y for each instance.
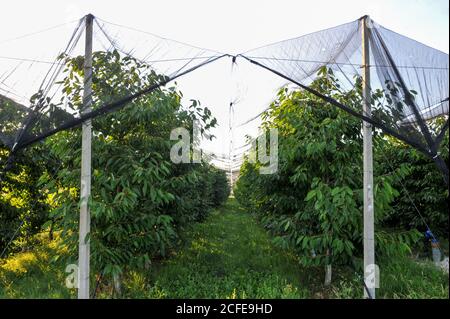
(50, 233)
(328, 270)
(327, 275)
(117, 285)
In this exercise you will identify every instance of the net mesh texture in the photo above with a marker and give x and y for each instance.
(34, 104)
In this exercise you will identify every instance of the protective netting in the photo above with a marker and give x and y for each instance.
(302, 57)
(29, 68)
(255, 90)
(412, 77)
(34, 99)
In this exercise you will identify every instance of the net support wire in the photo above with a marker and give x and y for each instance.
(349, 110)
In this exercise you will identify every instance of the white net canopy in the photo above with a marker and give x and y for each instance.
(414, 76)
(34, 105)
(34, 102)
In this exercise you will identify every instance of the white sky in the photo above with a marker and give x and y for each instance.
(233, 27)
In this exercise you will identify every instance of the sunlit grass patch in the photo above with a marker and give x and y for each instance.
(33, 274)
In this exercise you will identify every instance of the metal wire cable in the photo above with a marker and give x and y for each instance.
(29, 60)
(37, 32)
(345, 63)
(158, 36)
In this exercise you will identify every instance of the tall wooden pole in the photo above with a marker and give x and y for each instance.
(85, 219)
(369, 237)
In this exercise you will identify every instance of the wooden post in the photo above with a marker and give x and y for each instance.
(369, 237)
(85, 220)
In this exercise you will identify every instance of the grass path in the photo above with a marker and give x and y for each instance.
(228, 256)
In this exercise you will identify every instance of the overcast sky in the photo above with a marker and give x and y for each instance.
(233, 27)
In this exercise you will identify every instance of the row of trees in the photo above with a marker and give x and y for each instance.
(313, 204)
(140, 200)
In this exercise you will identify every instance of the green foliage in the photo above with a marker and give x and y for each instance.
(221, 187)
(420, 185)
(11, 114)
(23, 207)
(139, 198)
(313, 204)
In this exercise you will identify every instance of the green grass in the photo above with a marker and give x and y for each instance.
(31, 274)
(402, 278)
(229, 255)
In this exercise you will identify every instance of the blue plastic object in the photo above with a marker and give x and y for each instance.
(430, 235)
